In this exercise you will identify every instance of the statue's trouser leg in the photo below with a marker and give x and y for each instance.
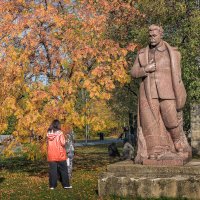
(171, 121)
(148, 123)
(154, 131)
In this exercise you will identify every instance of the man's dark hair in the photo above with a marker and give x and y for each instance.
(55, 126)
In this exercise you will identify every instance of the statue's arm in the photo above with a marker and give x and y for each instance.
(137, 71)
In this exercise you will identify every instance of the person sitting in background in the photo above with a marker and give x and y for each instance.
(70, 151)
(128, 151)
(112, 150)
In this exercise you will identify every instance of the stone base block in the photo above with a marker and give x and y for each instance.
(164, 162)
(128, 179)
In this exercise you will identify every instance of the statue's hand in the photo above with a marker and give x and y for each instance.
(151, 67)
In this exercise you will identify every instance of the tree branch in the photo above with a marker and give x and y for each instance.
(129, 88)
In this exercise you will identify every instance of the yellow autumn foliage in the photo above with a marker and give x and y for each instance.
(49, 54)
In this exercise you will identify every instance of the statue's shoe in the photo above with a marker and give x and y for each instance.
(169, 156)
(153, 157)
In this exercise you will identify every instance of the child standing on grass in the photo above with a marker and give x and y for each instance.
(70, 152)
(56, 156)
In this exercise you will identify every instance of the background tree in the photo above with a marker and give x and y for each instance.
(59, 58)
(51, 52)
(180, 20)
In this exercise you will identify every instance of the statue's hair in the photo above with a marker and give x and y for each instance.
(156, 27)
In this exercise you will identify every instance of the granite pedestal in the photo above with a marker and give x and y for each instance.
(128, 179)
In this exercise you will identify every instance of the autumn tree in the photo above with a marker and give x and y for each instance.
(51, 51)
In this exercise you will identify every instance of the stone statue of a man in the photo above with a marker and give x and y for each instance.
(161, 98)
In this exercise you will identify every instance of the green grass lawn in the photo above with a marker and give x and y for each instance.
(22, 179)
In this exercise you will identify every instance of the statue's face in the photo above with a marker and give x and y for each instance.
(155, 37)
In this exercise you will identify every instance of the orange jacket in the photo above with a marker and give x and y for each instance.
(56, 146)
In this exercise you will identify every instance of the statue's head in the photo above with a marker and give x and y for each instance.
(155, 34)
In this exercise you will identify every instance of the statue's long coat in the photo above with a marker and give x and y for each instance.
(156, 126)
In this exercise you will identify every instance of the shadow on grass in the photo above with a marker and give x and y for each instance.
(86, 158)
(93, 157)
(21, 164)
(1, 179)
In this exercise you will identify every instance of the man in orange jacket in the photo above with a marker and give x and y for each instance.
(56, 156)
